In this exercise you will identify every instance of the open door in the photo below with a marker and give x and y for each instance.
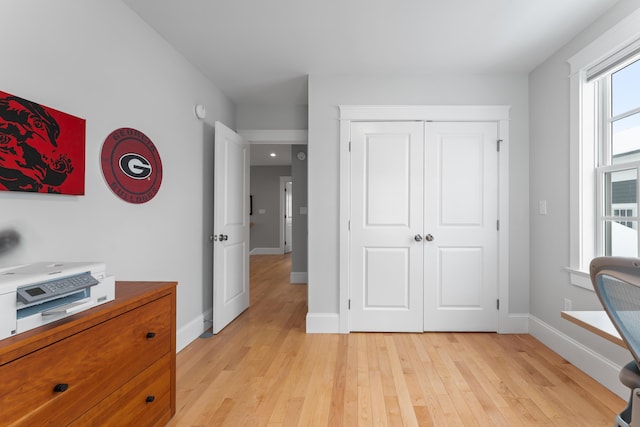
(288, 217)
(230, 227)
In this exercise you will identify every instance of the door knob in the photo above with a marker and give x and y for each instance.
(417, 238)
(429, 238)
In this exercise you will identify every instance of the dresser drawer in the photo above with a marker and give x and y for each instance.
(91, 364)
(145, 400)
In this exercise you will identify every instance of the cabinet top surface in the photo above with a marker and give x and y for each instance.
(128, 296)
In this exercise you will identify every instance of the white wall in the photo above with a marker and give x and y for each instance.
(299, 257)
(99, 61)
(326, 93)
(549, 165)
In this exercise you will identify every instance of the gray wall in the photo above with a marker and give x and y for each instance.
(265, 189)
(125, 78)
(271, 117)
(549, 165)
(326, 93)
(299, 175)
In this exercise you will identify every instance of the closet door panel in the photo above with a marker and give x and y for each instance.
(461, 213)
(385, 216)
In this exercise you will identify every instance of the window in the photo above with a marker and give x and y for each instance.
(617, 128)
(605, 148)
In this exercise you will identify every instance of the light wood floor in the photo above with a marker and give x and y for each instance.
(264, 370)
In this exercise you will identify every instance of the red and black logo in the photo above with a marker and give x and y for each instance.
(131, 165)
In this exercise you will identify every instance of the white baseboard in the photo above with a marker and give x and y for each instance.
(591, 363)
(265, 251)
(323, 323)
(298, 277)
(192, 330)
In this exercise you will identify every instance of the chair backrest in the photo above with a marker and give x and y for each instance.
(616, 281)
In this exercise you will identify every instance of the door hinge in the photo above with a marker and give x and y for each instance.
(349, 304)
(349, 225)
(497, 304)
(498, 224)
(498, 145)
(349, 146)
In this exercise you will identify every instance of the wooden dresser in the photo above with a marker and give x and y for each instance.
(113, 364)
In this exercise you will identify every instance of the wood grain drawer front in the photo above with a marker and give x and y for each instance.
(91, 364)
(143, 401)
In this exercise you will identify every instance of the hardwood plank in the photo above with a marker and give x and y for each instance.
(264, 370)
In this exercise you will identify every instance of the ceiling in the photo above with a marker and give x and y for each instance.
(261, 154)
(260, 52)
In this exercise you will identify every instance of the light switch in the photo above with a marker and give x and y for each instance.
(262, 211)
(542, 207)
(303, 210)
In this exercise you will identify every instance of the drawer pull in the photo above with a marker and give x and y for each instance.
(151, 335)
(150, 399)
(59, 388)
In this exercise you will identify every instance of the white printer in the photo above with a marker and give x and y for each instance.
(33, 295)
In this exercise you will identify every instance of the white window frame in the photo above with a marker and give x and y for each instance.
(583, 144)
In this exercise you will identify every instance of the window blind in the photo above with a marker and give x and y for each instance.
(614, 62)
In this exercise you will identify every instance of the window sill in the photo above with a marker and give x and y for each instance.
(580, 279)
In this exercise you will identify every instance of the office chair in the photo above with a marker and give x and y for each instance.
(616, 281)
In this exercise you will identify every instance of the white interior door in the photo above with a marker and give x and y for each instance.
(461, 213)
(288, 217)
(231, 227)
(386, 271)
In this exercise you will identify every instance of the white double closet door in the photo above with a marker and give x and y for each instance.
(423, 226)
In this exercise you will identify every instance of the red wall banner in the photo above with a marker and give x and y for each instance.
(41, 149)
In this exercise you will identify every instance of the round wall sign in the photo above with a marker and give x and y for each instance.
(131, 165)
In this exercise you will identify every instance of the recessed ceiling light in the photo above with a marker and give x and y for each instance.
(272, 154)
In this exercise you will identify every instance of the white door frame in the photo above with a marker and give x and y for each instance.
(283, 182)
(276, 136)
(472, 113)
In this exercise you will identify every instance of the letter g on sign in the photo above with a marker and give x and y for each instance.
(135, 166)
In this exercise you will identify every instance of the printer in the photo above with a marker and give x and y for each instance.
(33, 295)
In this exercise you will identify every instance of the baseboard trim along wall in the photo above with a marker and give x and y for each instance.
(323, 323)
(298, 277)
(265, 251)
(591, 363)
(192, 330)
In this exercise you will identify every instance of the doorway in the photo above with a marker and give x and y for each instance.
(286, 223)
(295, 141)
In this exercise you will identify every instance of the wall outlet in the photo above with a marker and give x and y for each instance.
(568, 304)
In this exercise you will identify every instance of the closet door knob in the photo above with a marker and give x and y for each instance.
(429, 238)
(417, 238)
